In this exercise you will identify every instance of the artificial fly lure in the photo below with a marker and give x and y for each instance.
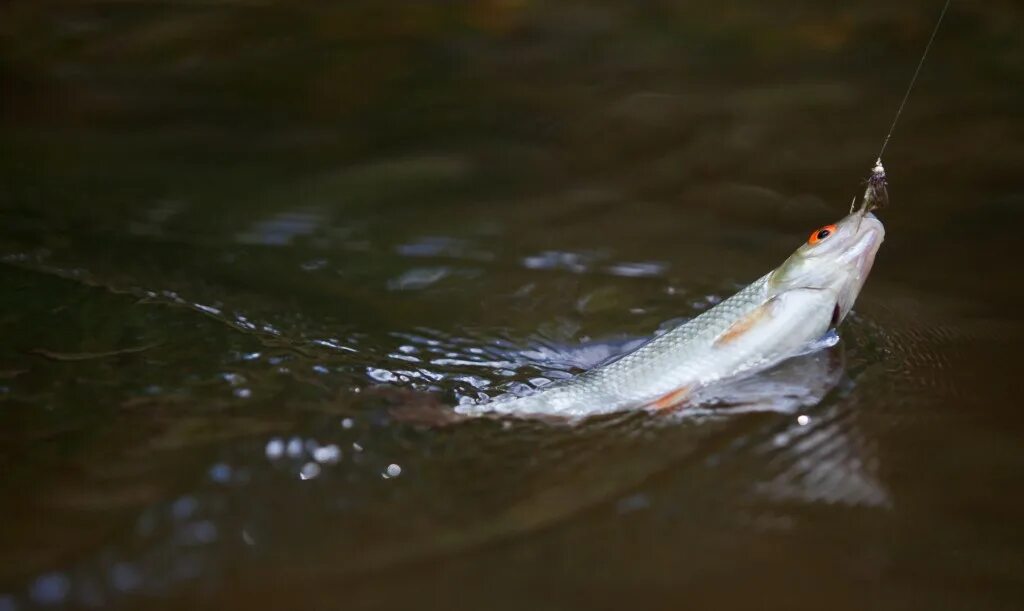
(876, 195)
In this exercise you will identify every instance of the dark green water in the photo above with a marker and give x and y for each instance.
(236, 239)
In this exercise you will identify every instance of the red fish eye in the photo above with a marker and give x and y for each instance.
(820, 234)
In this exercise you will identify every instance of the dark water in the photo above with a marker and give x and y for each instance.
(238, 238)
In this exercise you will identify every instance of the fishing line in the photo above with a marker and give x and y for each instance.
(913, 80)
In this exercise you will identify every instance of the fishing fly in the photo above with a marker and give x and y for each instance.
(876, 194)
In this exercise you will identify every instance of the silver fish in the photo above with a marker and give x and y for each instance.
(776, 317)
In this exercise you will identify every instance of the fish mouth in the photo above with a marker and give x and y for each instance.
(862, 254)
(869, 245)
(857, 261)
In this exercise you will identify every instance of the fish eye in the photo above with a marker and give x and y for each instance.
(820, 234)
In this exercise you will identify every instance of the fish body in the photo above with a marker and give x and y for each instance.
(776, 317)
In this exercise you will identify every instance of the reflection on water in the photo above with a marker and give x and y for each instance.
(254, 498)
(252, 256)
(261, 495)
(282, 228)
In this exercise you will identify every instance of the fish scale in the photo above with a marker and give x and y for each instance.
(662, 365)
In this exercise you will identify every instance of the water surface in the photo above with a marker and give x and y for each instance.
(249, 252)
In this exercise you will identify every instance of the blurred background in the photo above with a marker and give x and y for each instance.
(236, 236)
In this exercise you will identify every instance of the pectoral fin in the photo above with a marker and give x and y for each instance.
(742, 326)
(818, 307)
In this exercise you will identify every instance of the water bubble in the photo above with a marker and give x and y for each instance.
(184, 507)
(275, 449)
(294, 448)
(50, 589)
(328, 454)
(220, 473)
(803, 420)
(347, 423)
(243, 393)
(392, 471)
(309, 471)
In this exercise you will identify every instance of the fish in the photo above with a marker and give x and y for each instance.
(780, 315)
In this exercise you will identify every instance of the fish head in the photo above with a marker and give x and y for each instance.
(836, 257)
